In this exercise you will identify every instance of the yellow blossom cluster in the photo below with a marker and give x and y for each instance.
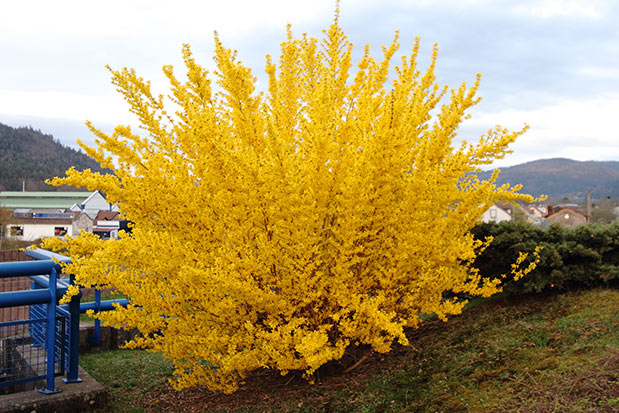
(275, 229)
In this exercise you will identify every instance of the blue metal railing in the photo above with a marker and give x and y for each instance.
(51, 327)
(47, 296)
(21, 360)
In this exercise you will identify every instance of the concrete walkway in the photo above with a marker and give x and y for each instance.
(86, 396)
(89, 395)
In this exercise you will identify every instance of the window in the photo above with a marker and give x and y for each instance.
(17, 231)
(60, 231)
(492, 213)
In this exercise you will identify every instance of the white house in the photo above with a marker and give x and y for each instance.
(95, 201)
(497, 213)
(31, 229)
(47, 214)
(106, 224)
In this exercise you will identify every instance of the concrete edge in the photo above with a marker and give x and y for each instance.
(88, 395)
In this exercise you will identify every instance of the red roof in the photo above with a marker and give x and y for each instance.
(555, 211)
(107, 216)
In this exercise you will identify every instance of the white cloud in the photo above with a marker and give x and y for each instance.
(592, 9)
(549, 51)
(64, 105)
(151, 19)
(599, 72)
(580, 129)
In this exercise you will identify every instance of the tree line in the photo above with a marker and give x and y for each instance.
(28, 157)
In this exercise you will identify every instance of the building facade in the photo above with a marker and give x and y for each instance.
(36, 215)
(568, 217)
(497, 213)
(31, 229)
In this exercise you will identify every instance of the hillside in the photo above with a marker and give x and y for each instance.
(561, 177)
(27, 155)
(614, 165)
(530, 353)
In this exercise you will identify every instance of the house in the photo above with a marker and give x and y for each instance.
(47, 214)
(566, 216)
(84, 221)
(96, 201)
(497, 213)
(42, 226)
(536, 211)
(106, 224)
(528, 214)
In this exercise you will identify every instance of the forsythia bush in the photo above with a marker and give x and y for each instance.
(275, 229)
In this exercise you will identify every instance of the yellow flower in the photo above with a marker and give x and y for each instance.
(273, 229)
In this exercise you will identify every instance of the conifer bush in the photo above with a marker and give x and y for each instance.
(274, 229)
(586, 256)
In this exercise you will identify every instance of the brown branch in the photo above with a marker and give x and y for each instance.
(358, 363)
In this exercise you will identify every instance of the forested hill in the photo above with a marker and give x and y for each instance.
(27, 155)
(561, 177)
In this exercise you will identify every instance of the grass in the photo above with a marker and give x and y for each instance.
(513, 358)
(127, 374)
(538, 353)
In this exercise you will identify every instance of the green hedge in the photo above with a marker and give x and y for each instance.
(585, 256)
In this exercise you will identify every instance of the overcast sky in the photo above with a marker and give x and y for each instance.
(553, 64)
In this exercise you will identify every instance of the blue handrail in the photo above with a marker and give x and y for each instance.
(72, 308)
(47, 296)
(48, 288)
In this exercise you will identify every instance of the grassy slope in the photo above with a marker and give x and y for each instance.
(538, 353)
(539, 356)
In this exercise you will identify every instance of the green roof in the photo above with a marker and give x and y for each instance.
(50, 200)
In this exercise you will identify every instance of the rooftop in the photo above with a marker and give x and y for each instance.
(46, 200)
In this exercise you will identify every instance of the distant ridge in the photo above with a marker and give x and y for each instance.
(560, 177)
(29, 156)
(614, 165)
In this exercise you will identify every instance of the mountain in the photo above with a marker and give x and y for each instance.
(29, 156)
(562, 177)
(614, 165)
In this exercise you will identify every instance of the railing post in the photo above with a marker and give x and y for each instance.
(50, 337)
(95, 338)
(74, 336)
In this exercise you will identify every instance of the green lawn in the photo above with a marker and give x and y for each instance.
(128, 375)
(550, 353)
